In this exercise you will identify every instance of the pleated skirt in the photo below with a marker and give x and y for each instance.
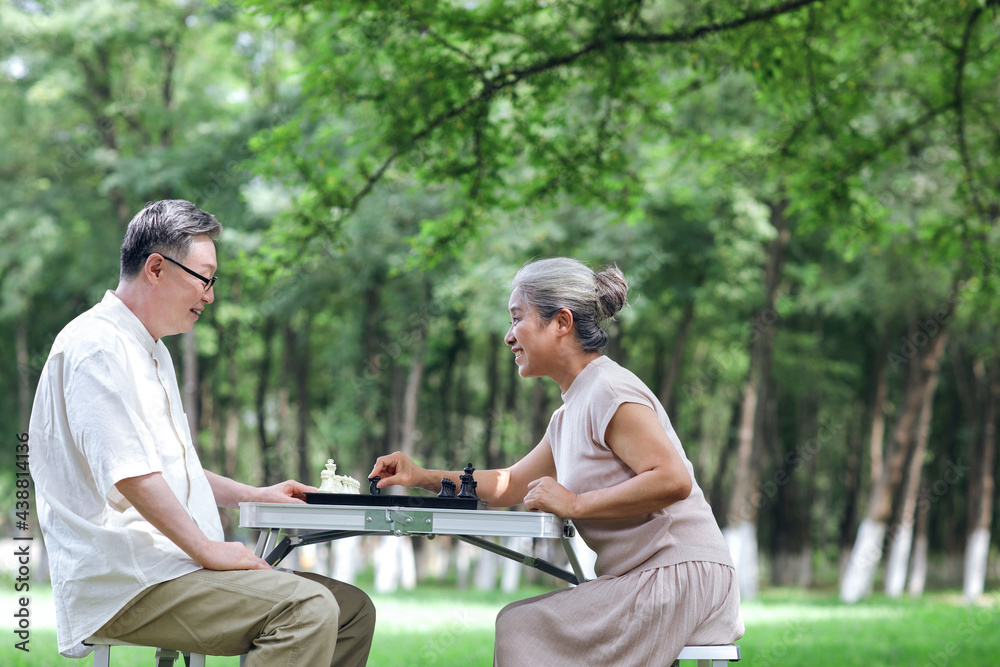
(640, 618)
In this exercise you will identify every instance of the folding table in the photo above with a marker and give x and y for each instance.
(302, 524)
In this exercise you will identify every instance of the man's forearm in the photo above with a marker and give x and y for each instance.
(153, 498)
(230, 493)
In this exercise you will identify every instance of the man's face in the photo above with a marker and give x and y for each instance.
(183, 296)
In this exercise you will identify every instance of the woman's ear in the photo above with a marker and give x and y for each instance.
(564, 322)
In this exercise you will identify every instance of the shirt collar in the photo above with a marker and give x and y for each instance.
(578, 381)
(127, 320)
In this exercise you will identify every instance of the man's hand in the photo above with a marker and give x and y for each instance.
(229, 493)
(288, 491)
(228, 556)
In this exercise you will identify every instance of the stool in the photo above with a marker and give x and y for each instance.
(710, 656)
(164, 657)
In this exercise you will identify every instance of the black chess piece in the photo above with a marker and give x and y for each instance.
(447, 488)
(373, 489)
(469, 484)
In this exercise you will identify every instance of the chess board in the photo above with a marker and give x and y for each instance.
(411, 502)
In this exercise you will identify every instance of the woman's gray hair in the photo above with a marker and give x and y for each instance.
(168, 227)
(549, 285)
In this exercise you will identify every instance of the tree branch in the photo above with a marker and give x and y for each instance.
(504, 80)
(959, 103)
(712, 28)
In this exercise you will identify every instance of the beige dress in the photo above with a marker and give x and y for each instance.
(665, 579)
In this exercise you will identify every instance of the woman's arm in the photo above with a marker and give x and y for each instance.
(500, 487)
(636, 436)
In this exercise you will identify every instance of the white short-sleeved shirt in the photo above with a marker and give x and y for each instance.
(108, 408)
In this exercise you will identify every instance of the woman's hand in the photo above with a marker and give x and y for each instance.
(398, 468)
(548, 495)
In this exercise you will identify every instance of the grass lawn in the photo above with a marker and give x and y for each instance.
(439, 626)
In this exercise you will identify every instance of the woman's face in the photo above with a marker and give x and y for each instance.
(530, 342)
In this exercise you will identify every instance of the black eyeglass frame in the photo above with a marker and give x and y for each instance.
(209, 282)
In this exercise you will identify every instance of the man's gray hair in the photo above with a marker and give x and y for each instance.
(549, 285)
(168, 227)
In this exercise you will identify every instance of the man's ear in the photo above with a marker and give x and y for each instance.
(152, 270)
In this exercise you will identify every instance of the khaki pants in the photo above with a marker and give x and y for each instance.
(279, 619)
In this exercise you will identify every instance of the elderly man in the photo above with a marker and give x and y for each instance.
(129, 516)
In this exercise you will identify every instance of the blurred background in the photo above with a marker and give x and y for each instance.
(803, 194)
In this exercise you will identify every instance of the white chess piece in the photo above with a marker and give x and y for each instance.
(334, 483)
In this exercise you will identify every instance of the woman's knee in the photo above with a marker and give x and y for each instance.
(506, 621)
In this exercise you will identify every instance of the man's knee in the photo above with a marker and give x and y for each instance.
(366, 615)
(318, 607)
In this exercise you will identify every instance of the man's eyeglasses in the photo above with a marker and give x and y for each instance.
(208, 281)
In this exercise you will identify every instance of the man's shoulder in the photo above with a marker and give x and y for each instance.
(89, 333)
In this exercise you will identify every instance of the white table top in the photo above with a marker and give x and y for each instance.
(403, 520)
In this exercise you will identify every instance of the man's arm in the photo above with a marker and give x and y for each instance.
(153, 498)
(230, 493)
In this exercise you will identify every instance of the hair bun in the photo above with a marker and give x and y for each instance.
(612, 292)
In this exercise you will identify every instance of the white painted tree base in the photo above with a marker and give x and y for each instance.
(977, 550)
(899, 560)
(346, 558)
(859, 577)
(742, 543)
(395, 565)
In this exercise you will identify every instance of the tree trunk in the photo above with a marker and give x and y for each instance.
(918, 562)
(303, 359)
(741, 523)
(190, 361)
(231, 439)
(370, 370)
(851, 481)
(395, 562)
(270, 460)
(673, 370)
(899, 556)
(24, 373)
(981, 494)
(492, 407)
(281, 447)
(866, 555)
(539, 414)
(408, 427)
(877, 442)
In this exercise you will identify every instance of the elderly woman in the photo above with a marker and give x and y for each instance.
(610, 461)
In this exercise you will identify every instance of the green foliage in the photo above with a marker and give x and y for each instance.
(382, 169)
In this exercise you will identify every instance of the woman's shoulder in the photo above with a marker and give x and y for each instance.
(617, 378)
